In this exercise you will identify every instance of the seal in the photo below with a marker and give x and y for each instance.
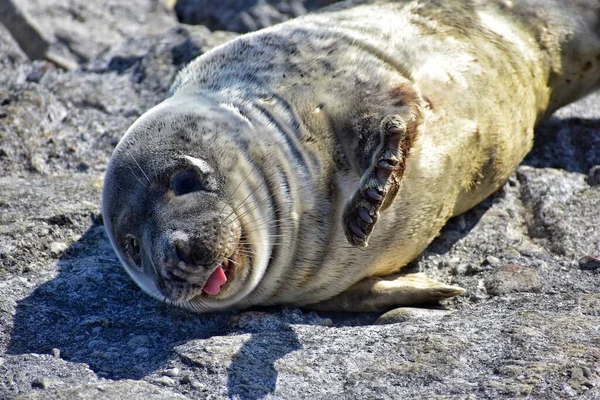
(279, 156)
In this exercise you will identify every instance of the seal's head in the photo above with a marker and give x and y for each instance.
(178, 204)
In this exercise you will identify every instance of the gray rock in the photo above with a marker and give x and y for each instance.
(163, 380)
(138, 340)
(29, 373)
(125, 389)
(69, 33)
(513, 278)
(72, 121)
(594, 176)
(56, 248)
(243, 15)
(172, 372)
(493, 261)
(57, 130)
(39, 383)
(406, 314)
(589, 263)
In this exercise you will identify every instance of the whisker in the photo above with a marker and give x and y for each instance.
(278, 243)
(138, 178)
(271, 236)
(146, 176)
(254, 207)
(234, 262)
(266, 223)
(243, 201)
(248, 254)
(229, 198)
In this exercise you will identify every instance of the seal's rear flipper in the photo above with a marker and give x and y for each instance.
(378, 294)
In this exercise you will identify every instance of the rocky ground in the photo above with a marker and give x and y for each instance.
(73, 325)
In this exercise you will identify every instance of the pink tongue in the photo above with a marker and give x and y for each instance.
(215, 281)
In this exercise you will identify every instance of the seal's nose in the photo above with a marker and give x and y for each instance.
(195, 253)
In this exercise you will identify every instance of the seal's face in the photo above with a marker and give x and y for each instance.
(177, 205)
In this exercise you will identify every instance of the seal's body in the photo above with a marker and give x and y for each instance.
(280, 155)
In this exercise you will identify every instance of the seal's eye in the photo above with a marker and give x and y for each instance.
(132, 248)
(186, 182)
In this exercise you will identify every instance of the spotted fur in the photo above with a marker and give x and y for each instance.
(288, 120)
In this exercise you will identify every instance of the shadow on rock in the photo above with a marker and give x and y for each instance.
(459, 227)
(94, 314)
(571, 144)
(252, 373)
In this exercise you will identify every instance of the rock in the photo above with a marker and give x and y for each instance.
(172, 372)
(57, 248)
(25, 31)
(33, 373)
(67, 120)
(589, 263)
(198, 386)
(141, 352)
(109, 391)
(493, 261)
(243, 16)
(138, 340)
(513, 278)
(580, 379)
(164, 380)
(594, 176)
(57, 130)
(39, 383)
(69, 34)
(256, 321)
(406, 314)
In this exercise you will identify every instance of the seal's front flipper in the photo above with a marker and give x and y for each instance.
(381, 181)
(378, 294)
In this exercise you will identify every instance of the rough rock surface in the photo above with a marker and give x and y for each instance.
(73, 325)
(77, 31)
(243, 15)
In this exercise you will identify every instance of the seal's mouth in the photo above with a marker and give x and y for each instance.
(224, 274)
(231, 269)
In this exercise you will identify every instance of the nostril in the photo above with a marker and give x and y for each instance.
(182, 250)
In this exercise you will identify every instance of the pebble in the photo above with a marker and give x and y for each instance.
(513, 278)
(94, 344)
(165, 380)
(461, 269)
(138, 340)
(55, 353)
(141, 352)
(39, 383)
(594, 176)
(57, 248)
(493, 261)
(589, 263)
(405, 314)
(198, 385)
(38, 164)
(172, 372)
